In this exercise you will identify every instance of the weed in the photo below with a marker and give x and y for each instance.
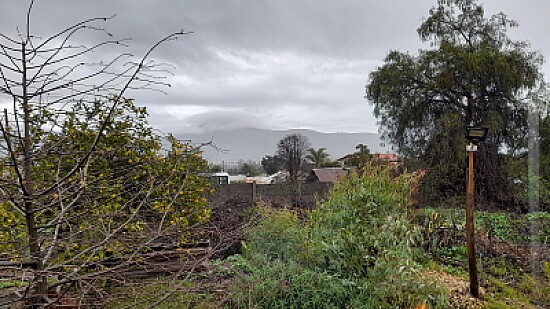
(288, 285)
(503, 294)
(178, 296)
(547, 272)
(497, 304)
(277, 236)
(4, 284)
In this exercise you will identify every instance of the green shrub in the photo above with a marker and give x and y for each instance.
(357, 251)
(278, 235)
(454, 254)
(363, 227)
(530, 227)
(498, 224)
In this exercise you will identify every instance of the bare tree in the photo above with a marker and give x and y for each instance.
(292, 150)
(79, 183)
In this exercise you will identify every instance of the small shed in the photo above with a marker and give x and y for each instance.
(327, 175)
(220, 178)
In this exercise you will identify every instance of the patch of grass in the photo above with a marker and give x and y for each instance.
(4, 284)
(278, 284)
(504, 225)
(456, 270)
(501, 294)
(497, 304)
(146, 295)
(501, 268)
(234, 265)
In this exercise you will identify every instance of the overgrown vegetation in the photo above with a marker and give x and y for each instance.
(509, 275)
(89, 191)
(356, 250)
(502, 225)
(85, 183)
(362, 248)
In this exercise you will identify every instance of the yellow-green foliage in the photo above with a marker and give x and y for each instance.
(278, 235)
(12, 229)
(128, 186)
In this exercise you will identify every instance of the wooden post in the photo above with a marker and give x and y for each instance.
(470, 236)
(254, 191)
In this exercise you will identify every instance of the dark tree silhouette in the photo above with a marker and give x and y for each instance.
(292, 151)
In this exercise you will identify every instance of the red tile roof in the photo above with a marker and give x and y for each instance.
(386, 157)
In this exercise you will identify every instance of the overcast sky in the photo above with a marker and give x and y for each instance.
(265, 63)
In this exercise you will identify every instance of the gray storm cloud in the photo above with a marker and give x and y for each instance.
(275, 64)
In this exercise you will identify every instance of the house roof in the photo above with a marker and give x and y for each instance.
(386, 157)
(329, 175)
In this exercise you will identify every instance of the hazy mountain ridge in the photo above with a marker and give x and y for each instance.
(253, 144)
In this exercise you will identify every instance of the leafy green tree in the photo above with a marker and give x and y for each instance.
(79, 164)
(317, 157)
(251, 169)
(362, 148)
(129, 193)
(329, 163)
(292, 151)
(271, 164)
(215, 168)
(473, 75)
(360, 157)
(544, 163)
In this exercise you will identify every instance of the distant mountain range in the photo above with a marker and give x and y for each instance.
(254, 144)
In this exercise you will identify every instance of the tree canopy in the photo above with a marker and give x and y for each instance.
(473, 74)
(317, 157)
(292, 151)
(271, 164)
(474, 71)
(358, 158)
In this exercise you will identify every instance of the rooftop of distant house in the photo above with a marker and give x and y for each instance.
(386, 157)
(328, 175)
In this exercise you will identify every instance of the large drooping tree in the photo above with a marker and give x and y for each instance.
(83, 178)
(473, 74)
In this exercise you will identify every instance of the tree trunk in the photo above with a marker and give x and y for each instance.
(40, 282)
